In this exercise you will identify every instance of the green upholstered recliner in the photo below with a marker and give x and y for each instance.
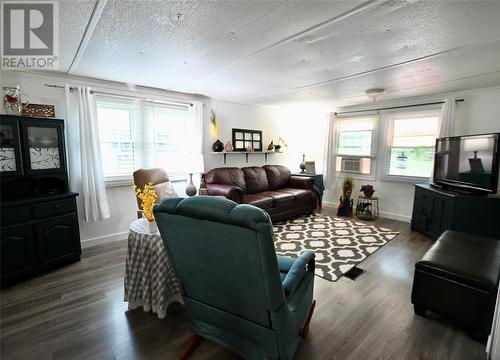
(236, 291)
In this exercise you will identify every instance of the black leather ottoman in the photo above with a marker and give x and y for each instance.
(458, 278)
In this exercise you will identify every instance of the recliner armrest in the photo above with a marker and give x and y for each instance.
(301, 182)
(305, 262)
(231, 192)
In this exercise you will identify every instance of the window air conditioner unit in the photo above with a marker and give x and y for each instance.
(351, 165)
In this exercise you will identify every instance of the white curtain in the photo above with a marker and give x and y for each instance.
(446, 125)
(84, 154)
(329, 161)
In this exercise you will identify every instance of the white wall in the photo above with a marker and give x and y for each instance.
(479, 113)
(232, 115)
(121, 198)
(303, 128)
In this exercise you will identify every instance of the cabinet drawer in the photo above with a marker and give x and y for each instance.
(419, 222)
(15, 214)
(423, 202)
(54, 207)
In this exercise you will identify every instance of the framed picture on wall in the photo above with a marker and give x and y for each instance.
(245, 138)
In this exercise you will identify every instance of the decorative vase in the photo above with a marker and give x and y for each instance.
(153, 227)
(228, 147)
(191, 189)
(218, 146)
(303, 164)
(12, 102)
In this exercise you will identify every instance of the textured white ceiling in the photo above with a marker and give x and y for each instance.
(272, 52)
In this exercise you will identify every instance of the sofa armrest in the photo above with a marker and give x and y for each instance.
(231, 192)
(301, 182)
(305, 262)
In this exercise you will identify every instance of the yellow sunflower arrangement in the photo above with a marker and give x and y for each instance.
(148, 197)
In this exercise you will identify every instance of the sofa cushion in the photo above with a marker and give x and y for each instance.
(277, 176)
(467, 258)
(259, 200)
(228, 176)
(300, 194)
(255, 179)
(280, 198)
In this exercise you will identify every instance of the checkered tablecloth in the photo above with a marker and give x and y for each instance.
(150, 280)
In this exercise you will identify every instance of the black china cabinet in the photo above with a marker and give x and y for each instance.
(39, 222)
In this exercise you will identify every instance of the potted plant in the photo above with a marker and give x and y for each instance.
(368, 190)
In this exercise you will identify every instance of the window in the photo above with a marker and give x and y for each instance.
(136, 133)
(356, 144)
(411, 141)
(118, 137)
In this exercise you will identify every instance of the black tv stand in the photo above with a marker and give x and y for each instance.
(459, 191)
(436, 186)
(437, 209)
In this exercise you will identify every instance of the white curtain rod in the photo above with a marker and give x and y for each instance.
(124, 96)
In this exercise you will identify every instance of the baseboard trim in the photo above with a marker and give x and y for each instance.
(398, 217)
(383, 214)
(104, 239)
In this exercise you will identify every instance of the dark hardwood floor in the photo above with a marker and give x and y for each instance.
(78, 313)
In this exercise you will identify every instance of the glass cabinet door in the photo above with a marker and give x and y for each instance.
(43, 146)
(10, 154)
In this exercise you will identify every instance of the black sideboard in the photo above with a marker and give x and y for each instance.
(38, 234)
(39, 222)
(436, 210)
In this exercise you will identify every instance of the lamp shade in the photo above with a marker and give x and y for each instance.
(476, 144)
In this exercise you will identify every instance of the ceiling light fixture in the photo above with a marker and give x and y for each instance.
(375, 94)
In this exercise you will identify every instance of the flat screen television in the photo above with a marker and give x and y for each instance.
(468, 162)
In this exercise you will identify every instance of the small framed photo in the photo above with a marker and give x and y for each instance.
(310, 167)
(245, 139)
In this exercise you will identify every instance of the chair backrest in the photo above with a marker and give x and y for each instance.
(146, 176)
(223, 254)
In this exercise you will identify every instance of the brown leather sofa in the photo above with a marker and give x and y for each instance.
(271, 188)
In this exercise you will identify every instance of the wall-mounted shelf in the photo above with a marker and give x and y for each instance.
(225, 153)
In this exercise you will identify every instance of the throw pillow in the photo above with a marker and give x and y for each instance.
(164, 190)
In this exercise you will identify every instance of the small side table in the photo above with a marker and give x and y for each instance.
(150, 281)
(318, 186)
(367, 207)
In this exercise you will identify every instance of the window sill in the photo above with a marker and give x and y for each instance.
(109, 183)
(357, 176)
(405, 179)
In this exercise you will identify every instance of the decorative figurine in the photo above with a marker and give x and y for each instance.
(346, 203)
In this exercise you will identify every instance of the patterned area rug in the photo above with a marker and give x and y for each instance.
(339, 244)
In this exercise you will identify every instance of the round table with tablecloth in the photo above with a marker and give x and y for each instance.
(150, 281)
